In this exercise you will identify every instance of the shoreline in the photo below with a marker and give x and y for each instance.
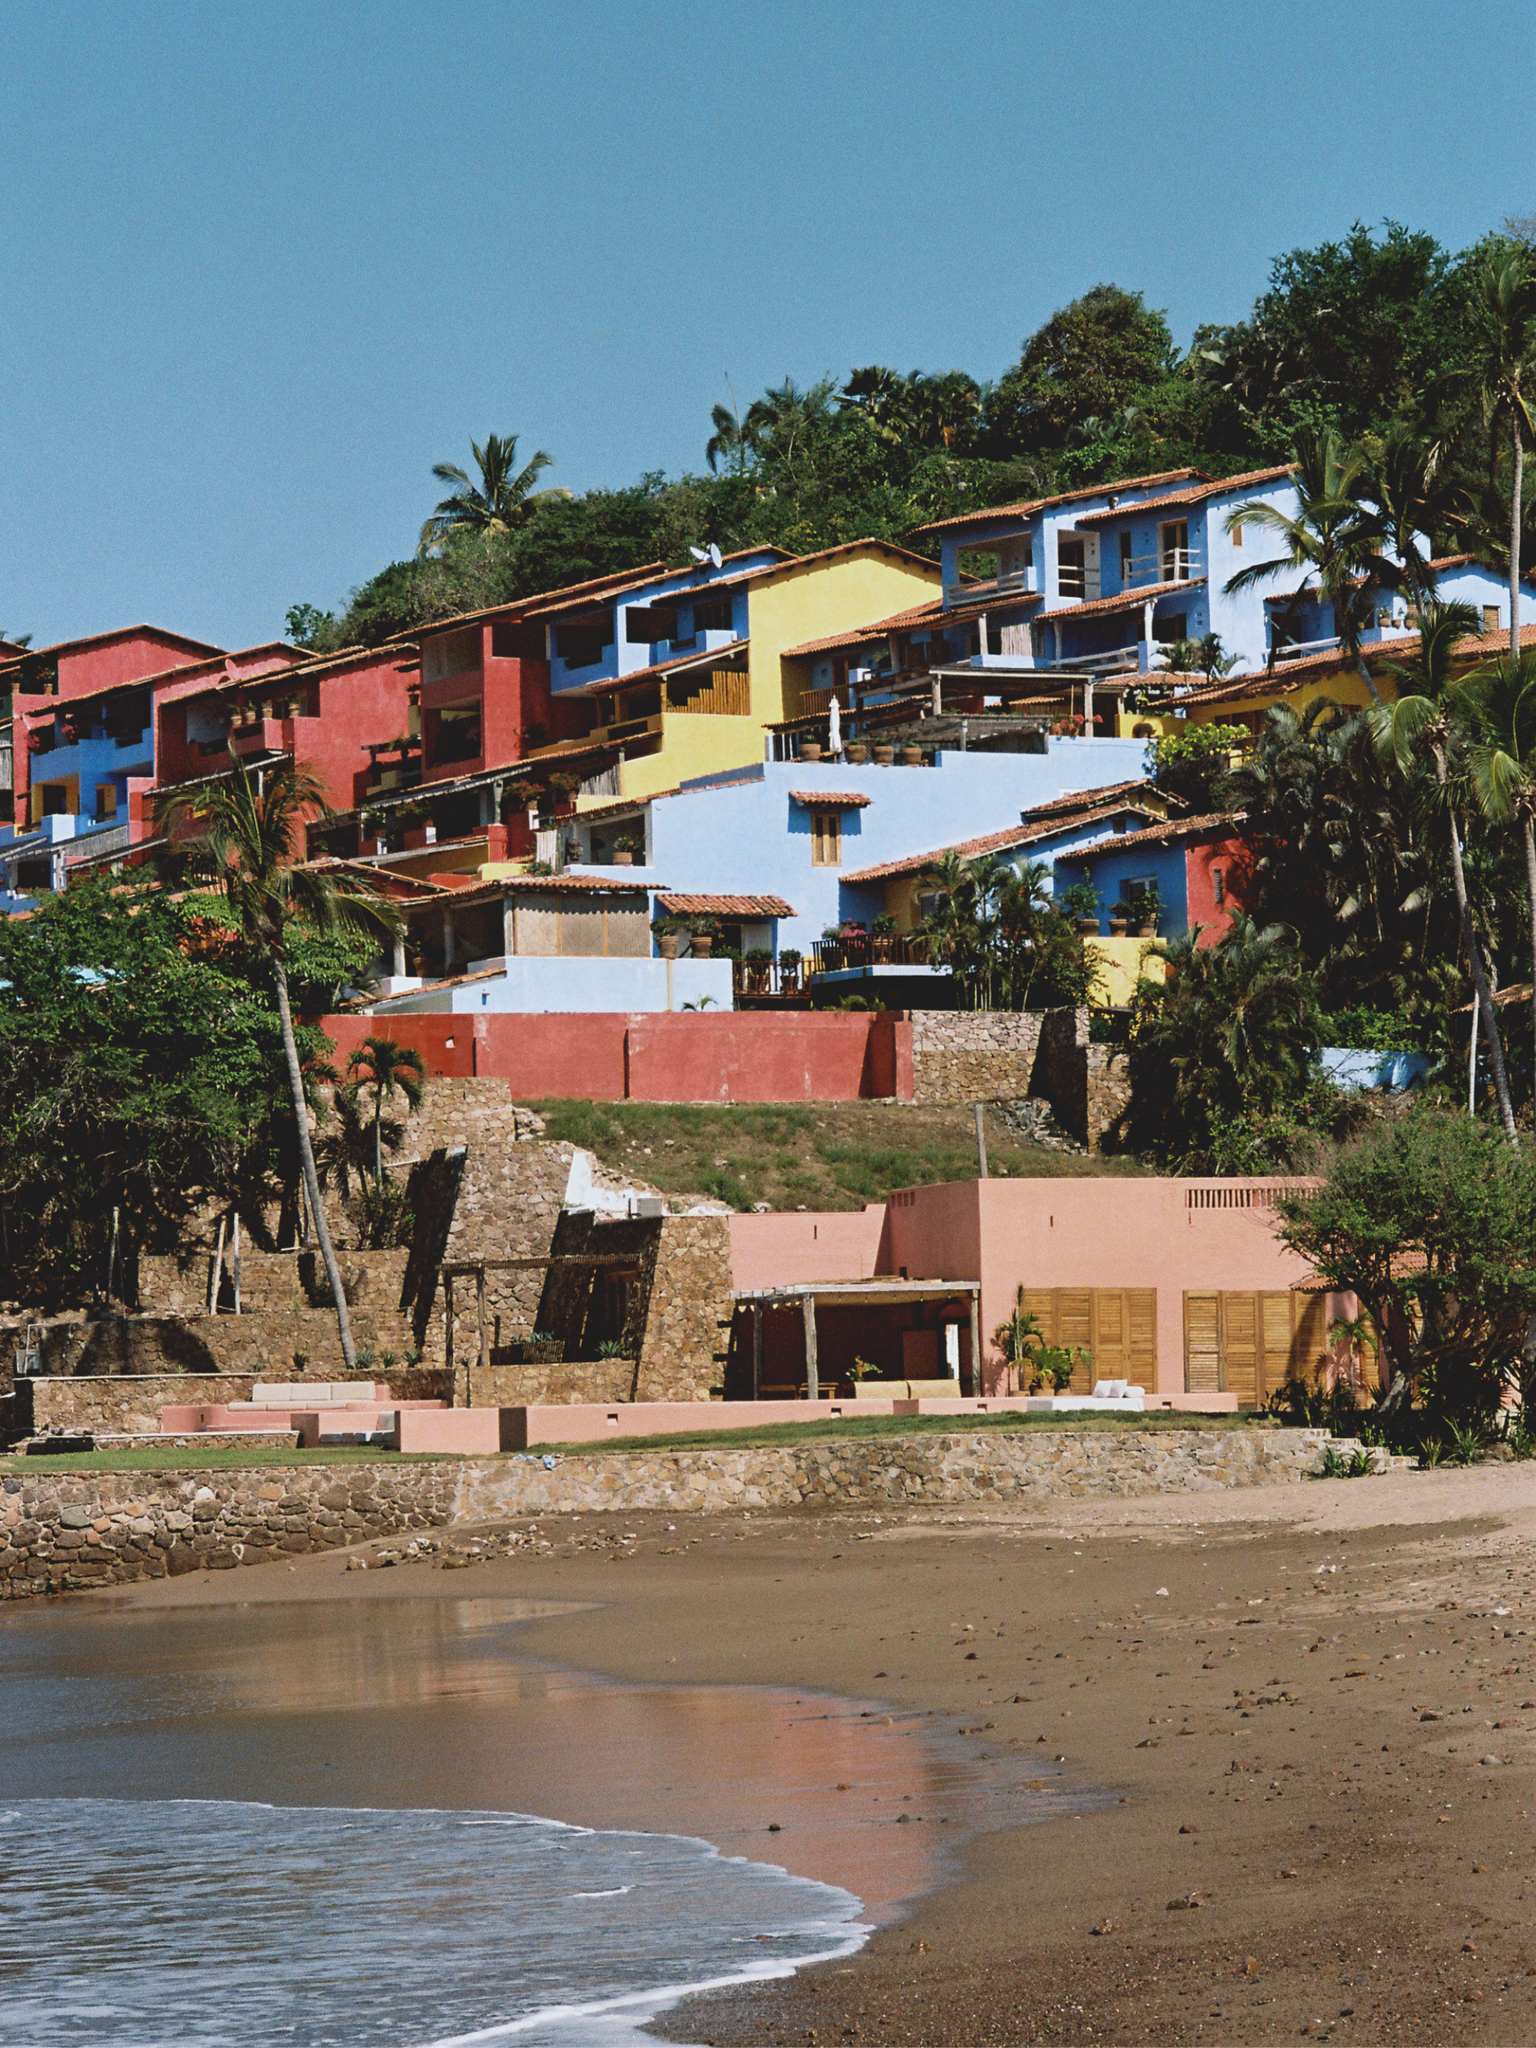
(1289, 1694)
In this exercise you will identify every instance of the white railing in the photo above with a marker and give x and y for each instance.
(1166, 565)
(1017, 583)
(1112, 658)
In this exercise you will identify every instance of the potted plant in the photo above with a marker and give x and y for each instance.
(911, 756)
(702, 941)
(1081, 902)
(789, 968)
(831, 948)
(855, 753)
(669, 935)
(1148, 911)
(885, 754)
(810, 750)
(1119, 921)
(628, 850)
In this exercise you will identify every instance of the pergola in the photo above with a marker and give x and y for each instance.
(810, 1295)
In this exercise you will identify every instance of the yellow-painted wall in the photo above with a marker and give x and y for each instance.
(812, 601)
(692, 743)
(1119, 964)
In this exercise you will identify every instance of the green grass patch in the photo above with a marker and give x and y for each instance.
(217, 1458)
(860, 1427)
(824, 1155)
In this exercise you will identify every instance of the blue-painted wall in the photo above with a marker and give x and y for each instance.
(751, 838)
(1108, 872)
(622, 657)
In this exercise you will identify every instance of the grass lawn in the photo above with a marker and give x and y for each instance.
(825, 1155)
(228, 1458)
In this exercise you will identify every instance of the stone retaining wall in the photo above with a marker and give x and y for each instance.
(60, 1532)
(123, 1403)
(974, 1055)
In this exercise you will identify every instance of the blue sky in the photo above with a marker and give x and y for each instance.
(263, 265)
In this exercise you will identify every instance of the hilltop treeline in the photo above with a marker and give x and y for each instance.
(1377, 327)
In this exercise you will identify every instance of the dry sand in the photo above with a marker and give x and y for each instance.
(1303, 1721)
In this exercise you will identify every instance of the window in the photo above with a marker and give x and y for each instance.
(1070, 576)
(713, 617)
(581, 643)
(106, 799)
(33, 875)
(458, 734)
(1491, 618)
(1170, 628)
(1125, 560)
(826, 839)
(55, 799)
(1218, 887)
(1174, 538)
(649, 623)
(1136, 889)
(1236, 535)
(450, 654)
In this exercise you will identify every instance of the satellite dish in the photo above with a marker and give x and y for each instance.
(700, 555)
(714, 554)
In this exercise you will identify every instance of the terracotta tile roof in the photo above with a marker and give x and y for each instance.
(1126, 601)
(1290, 675)
(1195, 494)
(1027, 506)
(1006, 841)
(931, 613)
(518, 608)
(576, 885)
(713, 657)
(829, 799)
(105, 640)
(1091, 799)
(1163, 835)
(726, 906)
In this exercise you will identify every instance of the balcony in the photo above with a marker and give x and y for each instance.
(1162, 565)
(1017, 583)
(870, 949)
(766, 982)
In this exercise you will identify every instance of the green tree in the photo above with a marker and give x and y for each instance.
(139, 1075)
(1204, 656)
(1506, 313)
(387, 1068)
(1330, 540)
(1421, 720)
(1431, 1222)
(1229, 1031)
(1089, 361)
(498, 504)
(1498, 704)
(1192, 764)
(251, 847)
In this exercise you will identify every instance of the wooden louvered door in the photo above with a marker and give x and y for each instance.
(1118, 1325)
(1250, 1344)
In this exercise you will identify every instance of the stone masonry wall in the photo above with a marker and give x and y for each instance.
(1109, 1093)
(974, 1055)
(130, 1404)
(60, 1532)
(688, 1318)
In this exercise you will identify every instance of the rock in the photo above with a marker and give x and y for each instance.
(1107, 1927)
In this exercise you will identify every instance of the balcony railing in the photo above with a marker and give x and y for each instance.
(870, 949)
(771, 980)
(1166, 565)
(1017, 583)
(1110, 661)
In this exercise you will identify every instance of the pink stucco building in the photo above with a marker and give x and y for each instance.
(1182, 1286)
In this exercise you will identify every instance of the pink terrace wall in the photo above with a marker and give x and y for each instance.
(1092, 1233)
(780, 1250)
(609, 1056)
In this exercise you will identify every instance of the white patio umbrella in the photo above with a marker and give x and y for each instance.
(835, 728)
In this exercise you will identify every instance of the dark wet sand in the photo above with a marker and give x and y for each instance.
(1303, 1704)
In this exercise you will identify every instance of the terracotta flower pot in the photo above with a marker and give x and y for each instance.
(1088, 927)
(856, 752)
(623, 860)
(1118, 927)
(810, 750)
(884, 756)
(1147, 929)
(911, 757)
(702, 945)
(667, 944)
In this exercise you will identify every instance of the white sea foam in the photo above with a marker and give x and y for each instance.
(234, 1925)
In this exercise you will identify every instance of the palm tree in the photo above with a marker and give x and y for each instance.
(1422, 718)
(1331, 539)
(727, 439)
(253, 837)
(779, 424)
(501, 502)
(387, 1068)
(1500, 702)
(1505, 305)
(1409, 479)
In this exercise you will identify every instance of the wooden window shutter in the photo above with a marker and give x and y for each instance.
(1141, 1336)
(1202, 1343)
(1240, 1348)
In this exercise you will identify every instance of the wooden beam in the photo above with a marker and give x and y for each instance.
(757, 1348)
(975, 1348)
(808, 1313)
(469, 1393)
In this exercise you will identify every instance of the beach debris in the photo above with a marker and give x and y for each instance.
(920, 1948)
(903, 1819)
(1188, 1828)
(1290, 1873)
(1469, 1947)
(1162, 1593)
(1107, 1927)
(1430, 1717)
(1186, 1902)
(1494, 1762)
(1251, 1967)
(774, 1828)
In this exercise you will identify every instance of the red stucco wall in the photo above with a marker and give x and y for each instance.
(1228, 856)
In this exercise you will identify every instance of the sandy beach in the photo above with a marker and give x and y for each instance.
(1275, 1748)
